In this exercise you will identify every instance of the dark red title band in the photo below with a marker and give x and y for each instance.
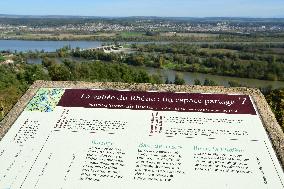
(158, 101)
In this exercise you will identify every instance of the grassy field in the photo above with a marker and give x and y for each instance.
(202, 35)
(132, 34)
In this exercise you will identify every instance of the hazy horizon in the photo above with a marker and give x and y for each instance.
(153, 8)
(89, 16)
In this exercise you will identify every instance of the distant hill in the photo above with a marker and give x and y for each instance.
(147, 17)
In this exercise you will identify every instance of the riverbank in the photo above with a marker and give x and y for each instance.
(190, 77)
(15, 80)
(52, 45)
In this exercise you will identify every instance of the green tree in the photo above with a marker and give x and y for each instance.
(276, 101)
(59, 72)
(167, 81)
(35, 72)
(197, 82)
(156, 79)
(2, 59)
(234, 84)
(161, 61)
(208, 82)
(179, 80)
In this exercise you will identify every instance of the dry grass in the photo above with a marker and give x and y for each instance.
(199, 35)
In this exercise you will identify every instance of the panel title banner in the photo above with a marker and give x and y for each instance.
(162, 101)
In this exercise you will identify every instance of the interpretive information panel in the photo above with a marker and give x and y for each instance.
(72, 138)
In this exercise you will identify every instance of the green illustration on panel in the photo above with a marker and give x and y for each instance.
(45, 100)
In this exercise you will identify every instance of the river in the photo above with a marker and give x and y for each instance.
(47, 46)
(189, 78)
(51, 46)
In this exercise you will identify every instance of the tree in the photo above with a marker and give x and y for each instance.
(157, 79)
(208, 82)
(63, 52)
(151, 33)
(59, 72)
(2, 59)
(234, 84)
(179, 80)
(35, 72)
(167, 81)
(197, 82)
(276, 101)
(161, 61)
(8, 97)
(47, 62)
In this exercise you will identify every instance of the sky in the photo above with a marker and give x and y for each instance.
(169, 8)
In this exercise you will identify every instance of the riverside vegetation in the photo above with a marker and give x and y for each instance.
(260, 61)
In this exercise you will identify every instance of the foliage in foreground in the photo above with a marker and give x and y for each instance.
(276, 101)
(15, 80)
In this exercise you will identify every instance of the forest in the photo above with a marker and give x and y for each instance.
(258, 61)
